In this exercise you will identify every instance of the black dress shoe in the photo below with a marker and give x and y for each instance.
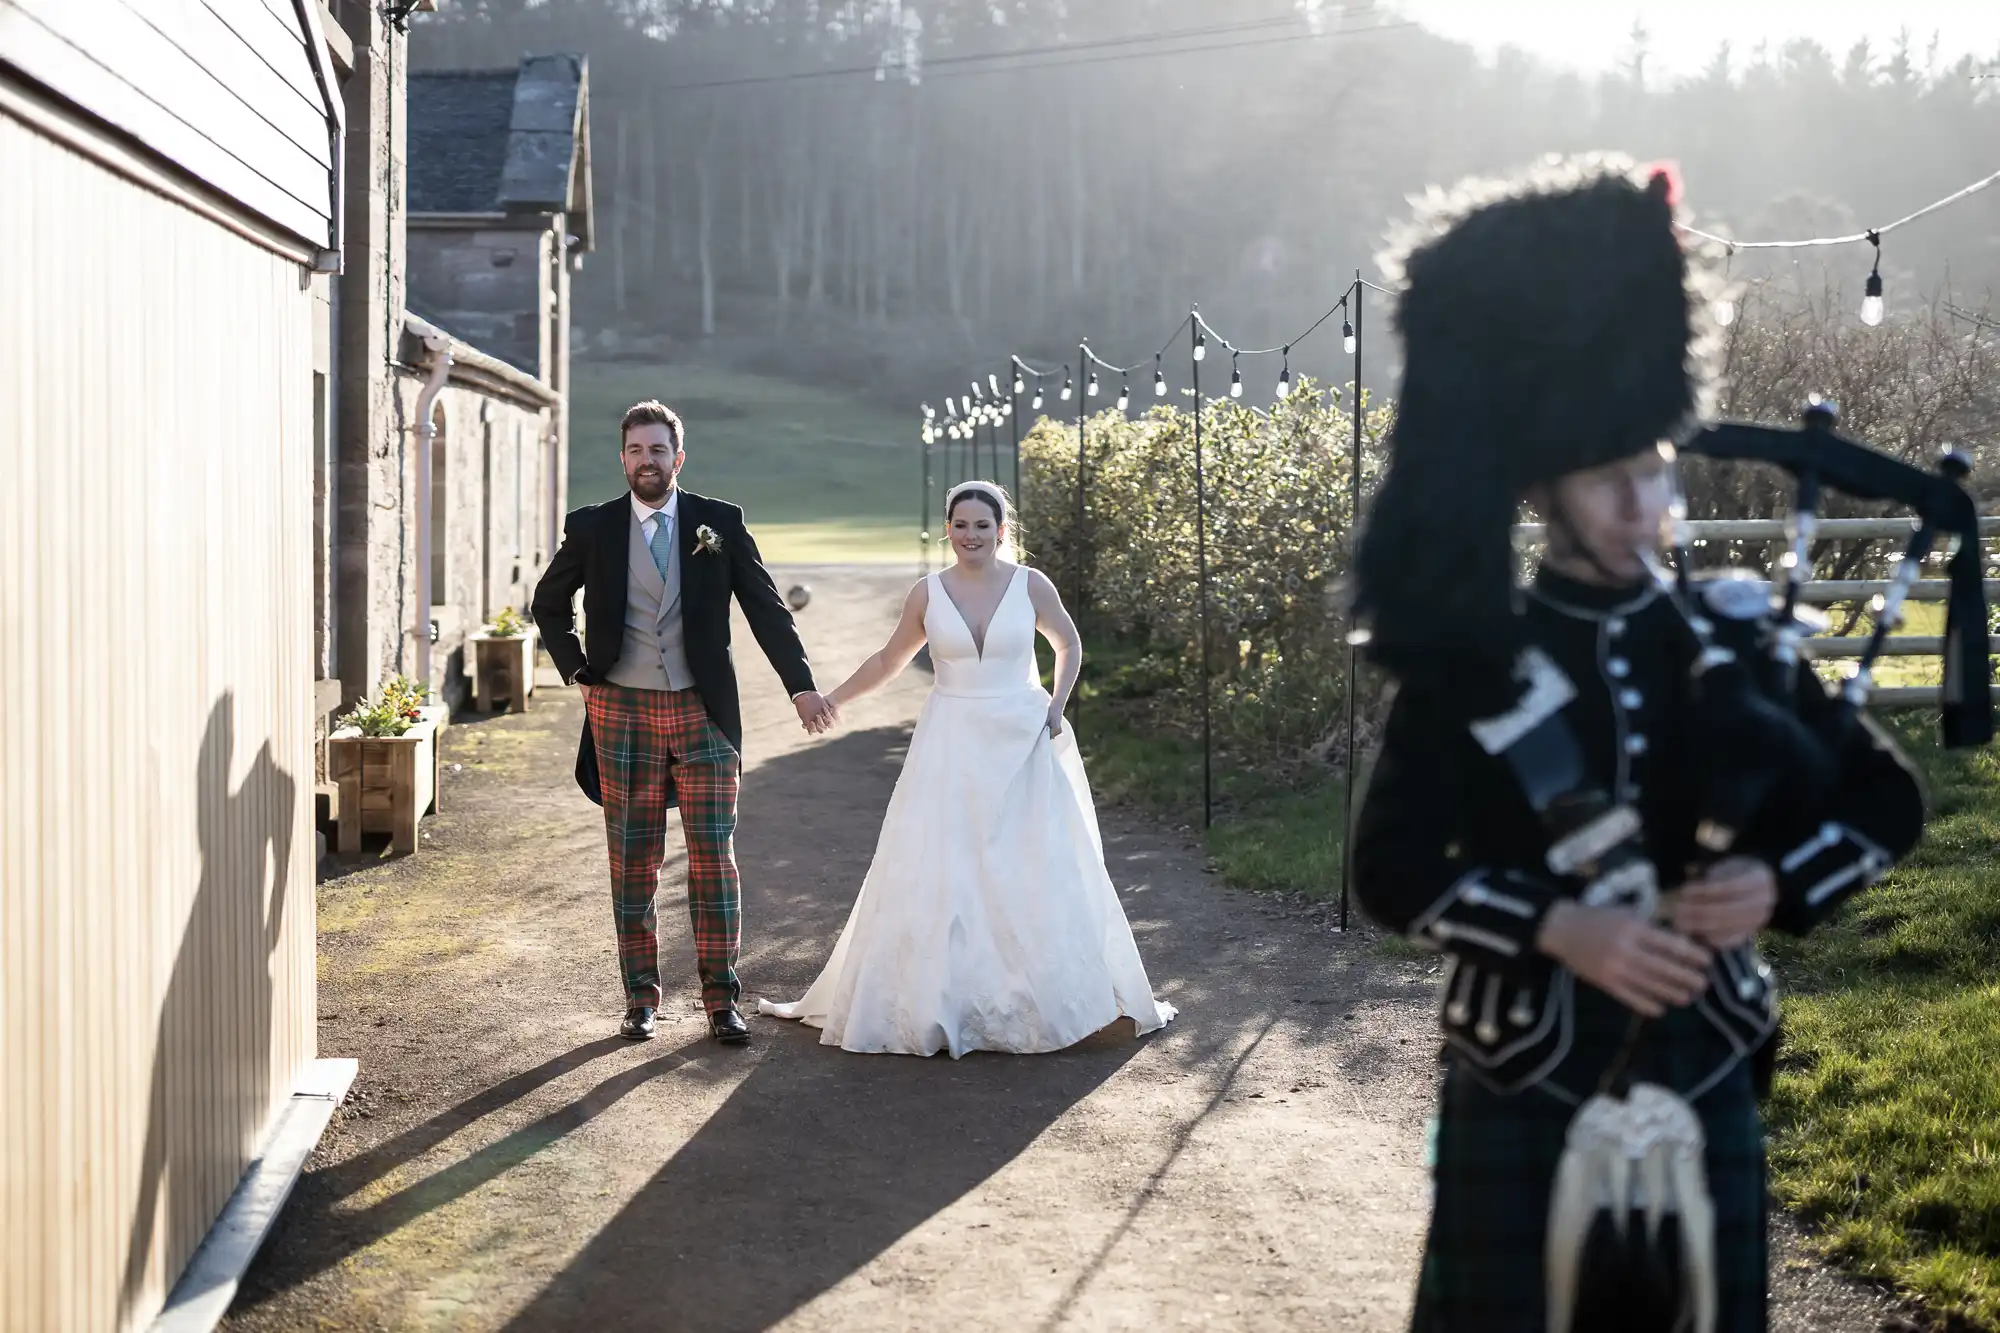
(727, 1026)
(638, 1024)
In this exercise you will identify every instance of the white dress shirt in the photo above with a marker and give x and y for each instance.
(651, 518)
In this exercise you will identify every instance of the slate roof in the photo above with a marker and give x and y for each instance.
(486, 141)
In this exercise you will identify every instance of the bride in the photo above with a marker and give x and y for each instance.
(987, 920)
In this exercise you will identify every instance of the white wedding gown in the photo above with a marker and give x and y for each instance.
(987, 920)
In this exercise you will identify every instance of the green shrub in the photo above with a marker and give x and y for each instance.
(1279, 522)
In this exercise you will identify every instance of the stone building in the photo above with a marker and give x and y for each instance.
(499, 218)
(477, 209)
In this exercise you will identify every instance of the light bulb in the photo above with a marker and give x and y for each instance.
(1019, 384)
(929, 434)
(1091, 388)
(1124, 396)
(1285, 384)
(1065, 390)
(1347, 337)
(1235, 384)
(1159, 384)
(930, 414)
(1036, 406)
(1871, 304)
(993, 383)
(1200, 347)
(1725, 312)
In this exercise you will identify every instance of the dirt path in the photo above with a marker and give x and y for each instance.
(504, 1163)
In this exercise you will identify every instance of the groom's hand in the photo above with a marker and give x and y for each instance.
(816, 714)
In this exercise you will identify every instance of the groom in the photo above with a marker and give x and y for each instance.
(663, 725)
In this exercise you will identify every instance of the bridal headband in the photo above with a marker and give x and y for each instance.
(980, 488)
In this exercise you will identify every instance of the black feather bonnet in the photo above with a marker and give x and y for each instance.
(1550, 323)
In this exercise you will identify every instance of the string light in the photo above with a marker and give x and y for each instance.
(1125, 393)
(1200, 346)
(1019, 384)
(950, 410)
(930, 414)
(1066, 383)
(1090, 390)
(1285, 376)
(1159, 379)
(1871, 303)
(1347, 336)
(993, 383)
(1036, 406)
(1235, 378)
(929, 434)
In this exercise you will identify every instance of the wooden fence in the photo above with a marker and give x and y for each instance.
(1829, 592)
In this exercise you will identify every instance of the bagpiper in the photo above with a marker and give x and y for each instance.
(1588, 795)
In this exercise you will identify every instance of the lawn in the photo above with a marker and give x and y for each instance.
(1886, 1116)
(824, 478)
(1272, 832)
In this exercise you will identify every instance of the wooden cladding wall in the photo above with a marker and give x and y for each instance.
(225, 89)
(156, 845)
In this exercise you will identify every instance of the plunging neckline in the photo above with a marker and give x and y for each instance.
(978, 638)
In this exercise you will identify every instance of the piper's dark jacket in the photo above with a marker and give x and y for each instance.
(595, 556)
(1448, 851)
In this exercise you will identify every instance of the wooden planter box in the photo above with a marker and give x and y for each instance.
(387, 783)
(503, 671)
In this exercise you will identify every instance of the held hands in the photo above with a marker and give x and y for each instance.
(1728, 905)
(817, 713)
(1055, 719)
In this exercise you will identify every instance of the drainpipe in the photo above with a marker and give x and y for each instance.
(437, 348)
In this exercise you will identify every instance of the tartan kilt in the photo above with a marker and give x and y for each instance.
(1496, 1158)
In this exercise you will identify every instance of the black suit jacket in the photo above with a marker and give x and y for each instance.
(595, 556)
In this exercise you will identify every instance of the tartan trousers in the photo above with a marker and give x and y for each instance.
(642, 736)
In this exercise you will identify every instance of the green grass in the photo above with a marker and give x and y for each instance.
(1886, 1116)
(1271, 834)
(824, 478)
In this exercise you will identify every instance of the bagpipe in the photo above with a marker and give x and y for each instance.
(1630, 1227)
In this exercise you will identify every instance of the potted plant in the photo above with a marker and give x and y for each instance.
(383, 757)
(503, 663)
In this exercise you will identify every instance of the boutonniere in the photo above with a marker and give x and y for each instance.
(707, 540)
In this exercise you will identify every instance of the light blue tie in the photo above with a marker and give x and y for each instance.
(662, 544)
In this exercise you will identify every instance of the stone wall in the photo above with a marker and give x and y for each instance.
(490, 514)
(488, 286)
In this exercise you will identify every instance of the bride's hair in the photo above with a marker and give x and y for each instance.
(994, 497)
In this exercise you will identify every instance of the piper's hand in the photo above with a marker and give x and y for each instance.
(1644, 968)
(1055, 720)
(1728, 905)
(817, 713)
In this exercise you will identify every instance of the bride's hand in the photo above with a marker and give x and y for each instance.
(1055, 720)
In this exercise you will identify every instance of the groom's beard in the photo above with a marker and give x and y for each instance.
(651, 485)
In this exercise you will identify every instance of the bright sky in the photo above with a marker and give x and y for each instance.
(1593, 35)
